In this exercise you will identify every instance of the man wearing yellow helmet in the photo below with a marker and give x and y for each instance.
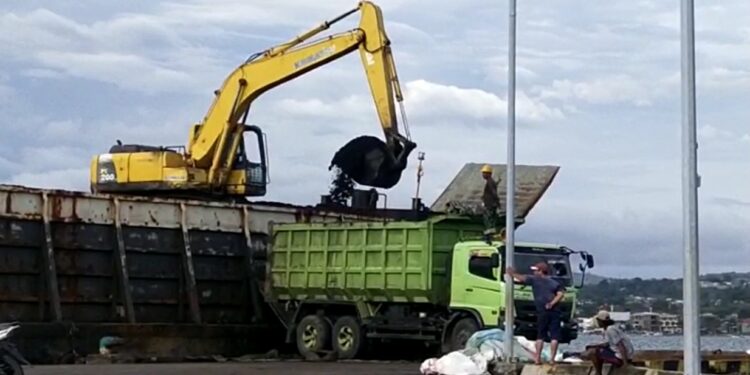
(491, 202)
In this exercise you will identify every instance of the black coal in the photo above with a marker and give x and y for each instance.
(342, 187)
(366, 161)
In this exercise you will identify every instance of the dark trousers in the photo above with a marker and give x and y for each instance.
(548, 325)
(491, 220)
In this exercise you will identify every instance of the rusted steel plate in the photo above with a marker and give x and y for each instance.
(19, 288)
(464, 193)
(19, 261)
(214, 218)
(21, 233)
(217, 244)
(153, 266)
(148, 214)
(82, 290)
(80, 236)
(26, 203)
(76, 207)
(88, 263)
(22, 204)
(153, 240)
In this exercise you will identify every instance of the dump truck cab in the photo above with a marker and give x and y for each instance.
(478, 287)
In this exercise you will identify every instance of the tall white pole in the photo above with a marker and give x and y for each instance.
(510, 207)
(690, 287)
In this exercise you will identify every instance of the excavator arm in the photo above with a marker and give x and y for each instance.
(214, 161)
(218, 137)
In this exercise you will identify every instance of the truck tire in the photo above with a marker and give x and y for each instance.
(460, 333)
(313, 334)
(348, 339)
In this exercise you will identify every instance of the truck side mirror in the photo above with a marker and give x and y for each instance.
(495, 260)
(590, 260)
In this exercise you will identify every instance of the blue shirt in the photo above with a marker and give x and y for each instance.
(544, 289)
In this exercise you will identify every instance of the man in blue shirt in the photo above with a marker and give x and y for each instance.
(547, 295)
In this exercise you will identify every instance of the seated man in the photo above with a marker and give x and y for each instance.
(617, 350)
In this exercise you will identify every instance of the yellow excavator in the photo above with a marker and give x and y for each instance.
(215, 162)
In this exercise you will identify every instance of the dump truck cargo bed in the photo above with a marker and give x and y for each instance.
(398, 261)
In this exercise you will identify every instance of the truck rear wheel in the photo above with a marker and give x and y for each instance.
(313, 333)
(460, 333)
(347, 337)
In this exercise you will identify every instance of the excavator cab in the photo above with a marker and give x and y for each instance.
(250, 177)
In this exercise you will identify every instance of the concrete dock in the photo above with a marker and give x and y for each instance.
(321, 368)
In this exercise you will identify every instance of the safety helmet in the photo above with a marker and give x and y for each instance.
(486, 169)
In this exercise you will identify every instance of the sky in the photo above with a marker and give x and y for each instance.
(598, 94)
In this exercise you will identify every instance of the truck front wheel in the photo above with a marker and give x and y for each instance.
(313, 333)
(347, 337)
(460, 333)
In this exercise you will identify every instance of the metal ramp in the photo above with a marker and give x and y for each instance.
(464, 194)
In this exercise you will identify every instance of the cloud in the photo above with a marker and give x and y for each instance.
(721, 78)
(608, 90)
(730, 202)
(627, 239)
(436, 100)
(710, 132)
(118, 69)
(134, 52)
(75, 179)
(264, 13)
(343, 109)
(6, 93)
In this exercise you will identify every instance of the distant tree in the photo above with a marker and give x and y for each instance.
(639, 294)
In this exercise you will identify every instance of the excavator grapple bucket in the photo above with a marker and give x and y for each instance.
(368, 161)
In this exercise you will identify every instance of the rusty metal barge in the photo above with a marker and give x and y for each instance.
(180, 274)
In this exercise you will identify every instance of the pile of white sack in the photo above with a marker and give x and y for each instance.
(482, 349)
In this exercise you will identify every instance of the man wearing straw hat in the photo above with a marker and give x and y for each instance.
(617, 350)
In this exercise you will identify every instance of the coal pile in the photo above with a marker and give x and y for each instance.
(365, 160)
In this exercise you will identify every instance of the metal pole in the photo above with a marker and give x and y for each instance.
(690, 182)
(510, 207)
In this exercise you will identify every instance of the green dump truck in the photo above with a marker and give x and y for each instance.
(337, 286)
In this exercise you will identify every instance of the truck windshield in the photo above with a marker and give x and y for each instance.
(559, 264)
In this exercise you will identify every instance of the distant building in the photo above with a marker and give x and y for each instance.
(709, 323)
(646, 322)
(745, 327)
(730, 325)
(670, 324)
(716, 284)
(620, 316)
